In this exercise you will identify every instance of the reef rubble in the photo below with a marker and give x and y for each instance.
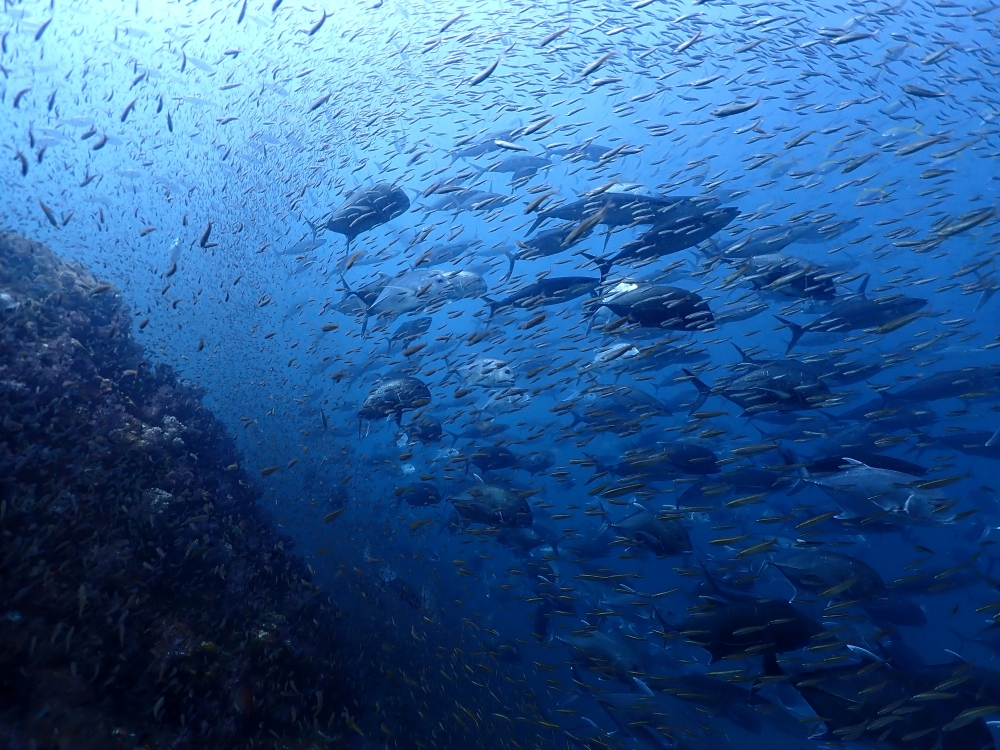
(145, 600)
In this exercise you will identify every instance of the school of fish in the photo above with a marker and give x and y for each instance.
(637, 363)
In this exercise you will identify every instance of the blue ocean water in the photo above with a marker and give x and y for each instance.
(627, 374)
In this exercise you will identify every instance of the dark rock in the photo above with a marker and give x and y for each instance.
(145, 599)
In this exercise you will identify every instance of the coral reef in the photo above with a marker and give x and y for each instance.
(145, 600)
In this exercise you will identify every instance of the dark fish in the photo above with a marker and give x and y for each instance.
(544, 244)
(392, 396)
(472, 200)
(687, 456)
(831, 369)
(970, 382)
(923, 93)
(547, 291)
(504, 650)
(620, 209)
(406, 592)
(367, 209)
(791, 277)
(523, 539)
(735, 624)
(419, 494)
(484, 145)
(520, 166)
(492, 458)
(775, 239)
(480, 430)
(492, 506)
(439, 254)
(41, 29)
(832, 575)
(604, 652)
(670, 236)
(662, 536)
(591, 547)
(946, 719)
(654, 306)
(425, 429)
(855, 313)
(409, 330)
(973, 442)
(536, 462)
(891, 417)
(585, 151)
(357, 301)
(767, 387)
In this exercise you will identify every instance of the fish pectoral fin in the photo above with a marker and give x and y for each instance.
(645, 536)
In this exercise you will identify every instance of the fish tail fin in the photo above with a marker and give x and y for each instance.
(801, 483)
(716, 251)
(964, 640)
(603, 264)
(543, 614)
(985, 297)
(577, 679)
(801, 471)
(643, 687)
(492, 305)
(709, 578)
(796, 330)
(667, 626)
(771, 666)
(743, 354)
(703, 391)
(511, 258)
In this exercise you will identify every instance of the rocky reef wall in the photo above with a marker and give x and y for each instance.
(145, 600)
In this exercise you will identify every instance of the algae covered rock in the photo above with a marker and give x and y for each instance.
(145, 600)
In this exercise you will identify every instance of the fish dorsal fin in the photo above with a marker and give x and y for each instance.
(744, 357)
(865, 655)
(713, 599)
(722, 595)
(958, 657)
(643, 687)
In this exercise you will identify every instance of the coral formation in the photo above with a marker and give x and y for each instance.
(145, 600)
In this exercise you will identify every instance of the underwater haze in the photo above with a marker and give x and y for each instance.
(626, 374)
